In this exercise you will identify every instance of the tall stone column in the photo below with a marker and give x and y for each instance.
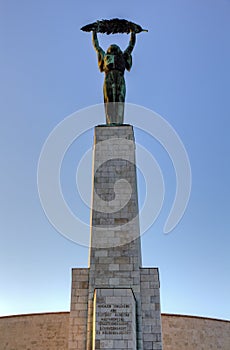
(115, 303)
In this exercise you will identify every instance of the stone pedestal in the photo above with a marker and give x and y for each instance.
(115, 303)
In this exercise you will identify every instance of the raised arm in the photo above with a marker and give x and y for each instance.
(132, 42)
(128, 51)
(100, 52)
(95, 42)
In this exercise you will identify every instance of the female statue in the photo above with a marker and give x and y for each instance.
(113, 63)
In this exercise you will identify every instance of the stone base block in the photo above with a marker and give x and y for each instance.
(151, 313)
(79, 309)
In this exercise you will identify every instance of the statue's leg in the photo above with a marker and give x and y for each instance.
(107, 93)
(121, 99)
(110, 98)
(106, 106)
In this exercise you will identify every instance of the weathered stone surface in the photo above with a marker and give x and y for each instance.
(114, 319)
(78, 309)
(115, 245)
(50, 332)
(150, 307)
(115, 254)
(35, 332)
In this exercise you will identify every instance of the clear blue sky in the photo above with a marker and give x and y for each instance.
(181, 71)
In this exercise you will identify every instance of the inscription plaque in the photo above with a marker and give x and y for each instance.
(114, 318)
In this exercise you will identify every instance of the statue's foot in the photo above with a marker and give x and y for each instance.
(114, 124)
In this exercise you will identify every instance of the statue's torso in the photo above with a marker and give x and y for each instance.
(114, 62)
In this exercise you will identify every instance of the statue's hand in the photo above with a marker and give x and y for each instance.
(133, 36)
(133, 30)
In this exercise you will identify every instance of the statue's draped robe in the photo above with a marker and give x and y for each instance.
(113, 63)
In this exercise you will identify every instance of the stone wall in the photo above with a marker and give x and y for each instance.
(50, 332)
(36, 331)
(195, 333)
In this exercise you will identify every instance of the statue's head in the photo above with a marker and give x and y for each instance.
(113, 50)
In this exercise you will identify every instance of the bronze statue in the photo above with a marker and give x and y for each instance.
(113, 63)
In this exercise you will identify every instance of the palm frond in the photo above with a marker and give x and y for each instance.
(113, 26)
